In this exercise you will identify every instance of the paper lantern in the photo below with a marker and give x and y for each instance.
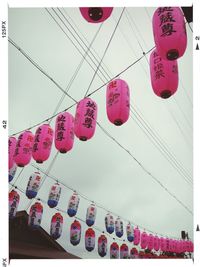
(64, 132)
(56, 226)
(191, 246)
(22, 155)
(129, 232)
(124, 252)
(164, 75)
(73, 205)
(134, 253)
(167, 245)
(96, 14)
(102, 245)
(35, 215)
(42, 143)
(119, 227)
(54, 195)
(162, 244)
(75, 233)
(156, 243)
(12, 171)
(144, 240)
(33, 185)
(114, 251)
(169, 32)
(117, 102)
(150, 244)
(85, 119)
(109, 222)
(91, 215)
(13, 203)
(136, 236)
(89, 239)
(11, 151)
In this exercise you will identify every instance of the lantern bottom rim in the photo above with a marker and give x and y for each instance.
(39, 161)
(165, 94)
(63, 151)
(83, 138)
(172, 54)
(118, 122)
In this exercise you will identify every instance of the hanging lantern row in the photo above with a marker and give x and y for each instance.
(171, 40)
(150, 242)
(146, 241)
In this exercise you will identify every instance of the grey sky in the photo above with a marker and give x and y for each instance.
(99, 168)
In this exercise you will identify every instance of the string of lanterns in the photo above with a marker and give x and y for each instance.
(170, 39)
(146, 241)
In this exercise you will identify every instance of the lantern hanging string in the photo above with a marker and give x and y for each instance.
(100, 125)
(96, 204)
(95, 227)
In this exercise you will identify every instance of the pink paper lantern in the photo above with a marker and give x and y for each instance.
(164, 75)
(118, 102)
(11, 151)
(144, 240)
(169, 32)
(64, 132)
(22, 155)
(102, 245)
(96, 14)
(85, 119)
(150, 245)
(42, 143)
(162, 244)
(136, 240)
(156, 243)
(35, 215)
(56, 225)
(75, 233)
(89, 239)
(167, 245)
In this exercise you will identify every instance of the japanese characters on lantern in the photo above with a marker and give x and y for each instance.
(124, 253)
(73, 205)
(35, 215)
(118, 102)
(109, 222)
(13, 203)
(42, 143)
(89, 239)
(91, 215)
(114, 251)
(164, 75)
(54, 195)
(12, 171)
(56, 226)
(85, 119)
(22, 155)
(129, 232)
(11, 151)
(136, 236)
(169, 32)
(33, 185)
(119, 227)
(96, 14)
(102, 245)
(75, 233)
(64, 132)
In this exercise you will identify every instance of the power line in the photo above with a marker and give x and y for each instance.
(158, 145)
(106, 49)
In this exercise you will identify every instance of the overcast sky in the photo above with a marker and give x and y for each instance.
(99, 168)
